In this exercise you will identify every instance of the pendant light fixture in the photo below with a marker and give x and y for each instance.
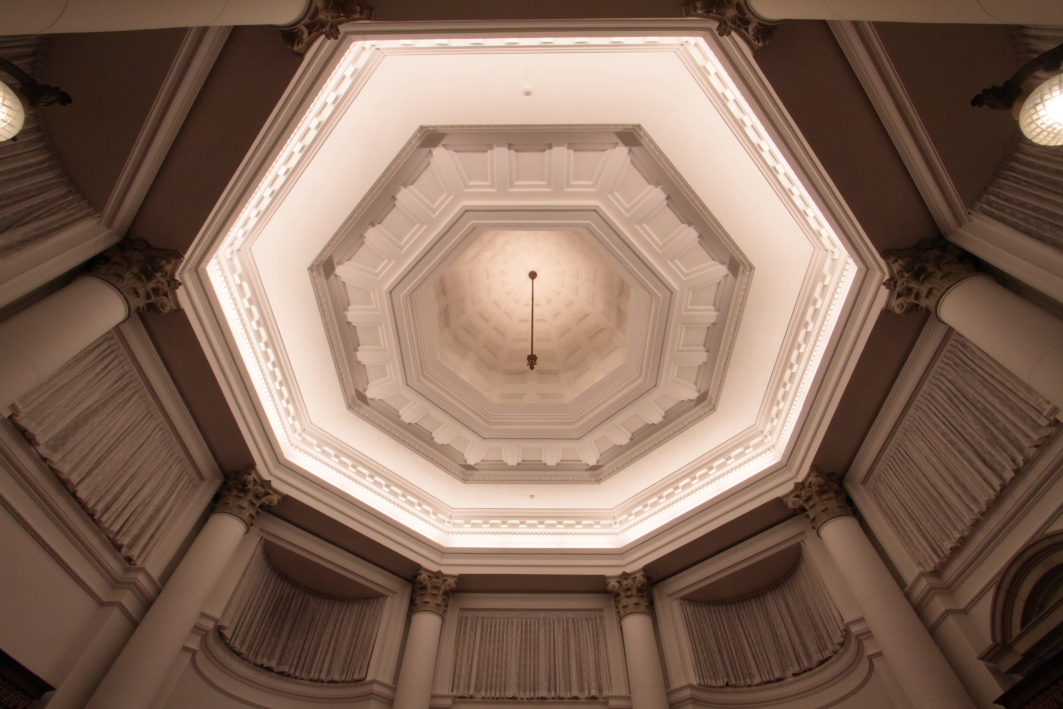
(1040, 114)
(15, 103)
(532, 359)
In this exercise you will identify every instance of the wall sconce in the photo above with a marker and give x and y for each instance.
(1040, 114)
(15, 103)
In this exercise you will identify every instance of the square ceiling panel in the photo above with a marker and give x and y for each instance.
(363, 287)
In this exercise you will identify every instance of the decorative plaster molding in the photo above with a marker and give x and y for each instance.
(322, 18)
(189, 69)
(869, 59)
(143, 274)
(820, 496)
(631, 593)
(734, 16)
(920, 275)
(431, 592)
(51, 256)
(342, 477)
(546, 177)
(244, 494)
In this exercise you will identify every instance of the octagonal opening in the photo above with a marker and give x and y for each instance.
(483, 310)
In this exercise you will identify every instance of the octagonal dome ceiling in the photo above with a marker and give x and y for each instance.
(640, 294)
(361, 289)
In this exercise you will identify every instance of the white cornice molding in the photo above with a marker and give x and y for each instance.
(51, 256)
(195, 58)
(1031, 261)
(869, 59)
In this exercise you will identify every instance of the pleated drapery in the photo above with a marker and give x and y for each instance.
(37, 198)
(99, 428)
(781, 632)
(530, 655)
(282, 626)
(970, 426)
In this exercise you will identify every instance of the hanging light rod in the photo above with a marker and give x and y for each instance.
(1041, 113)
(532, 359)
(15, 103)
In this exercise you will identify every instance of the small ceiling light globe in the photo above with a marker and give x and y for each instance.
(1041, 117)
(12, 113)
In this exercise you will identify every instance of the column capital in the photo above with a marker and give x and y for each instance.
(631, 593)
(431, 591)
(323, 17)
(733, 16)
(244, 494)
(821, 496)
(921, 274)
(143, 274)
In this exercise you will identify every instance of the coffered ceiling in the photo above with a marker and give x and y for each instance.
(362, 287)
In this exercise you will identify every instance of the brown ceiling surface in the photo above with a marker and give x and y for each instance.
(803, 63)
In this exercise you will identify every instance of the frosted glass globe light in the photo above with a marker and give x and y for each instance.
(1041, 117)
(12, 114)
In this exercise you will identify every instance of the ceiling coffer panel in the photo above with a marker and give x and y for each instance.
(637, 291)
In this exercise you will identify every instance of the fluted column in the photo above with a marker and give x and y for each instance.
(631, 594)
(126, 278)
(925, 674)
(302, 21)
(940, 277)
(431, 594)
(141, 668)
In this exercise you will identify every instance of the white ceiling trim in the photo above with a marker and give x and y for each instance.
(229, 286)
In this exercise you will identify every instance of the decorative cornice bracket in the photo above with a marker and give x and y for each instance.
(734, 16)
(323, 17)
(631, 593)
(143, 274)
(431, 591)
(920, 275)
(820, 496)
(244, 494)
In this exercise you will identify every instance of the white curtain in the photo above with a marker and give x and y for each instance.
(37, 198)
(284, 627)
(530, 655)
(783, 631)
(970, 426)
(97, 425)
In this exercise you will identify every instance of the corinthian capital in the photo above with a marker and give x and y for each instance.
(323, 17)
(431, 591)
(143, 274)
(244, 494)
(821, 496)
(733, 16)
(631, 593)
(920, 275)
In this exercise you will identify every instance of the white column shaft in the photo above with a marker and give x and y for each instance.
(1018, 12)
(916, 660)
(414, 690)
(1023, 338)
(37, 341)
(644, 674)
(140, 670)
(51, 16)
